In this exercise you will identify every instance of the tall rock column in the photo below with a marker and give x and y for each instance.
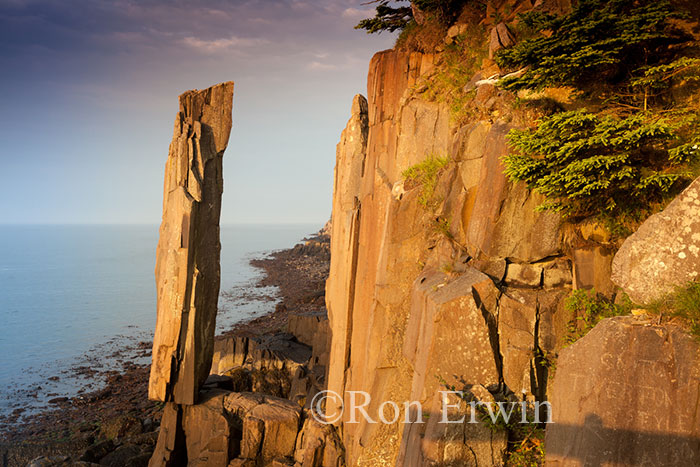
(187, 260)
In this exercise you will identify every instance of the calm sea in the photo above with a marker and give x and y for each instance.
(84, 296)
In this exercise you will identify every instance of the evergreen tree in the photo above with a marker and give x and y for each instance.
(591, 164)
(598, 39)
(387, 18)
(390, 18)
(637, 148)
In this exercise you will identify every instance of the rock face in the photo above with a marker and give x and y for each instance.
(340, 286)
(445, 320)
(664, 252)
(187, 259)
(626, 395)
(401, 295)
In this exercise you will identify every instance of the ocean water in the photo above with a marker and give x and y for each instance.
(84, 296)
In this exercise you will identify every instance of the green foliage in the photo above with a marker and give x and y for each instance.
(525, 440)
(426, 173)
(529, 451)
(390, 17)
(460, 61)
(598, 38)
(589, 308)
(424, 38)
(387, 18)
(683, 303)
(444, 11)
(589, 164)
(638, 149)
(546, 360)
(442, 226)
(662, 76)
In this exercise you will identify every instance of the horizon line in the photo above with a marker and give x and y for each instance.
(19, 224)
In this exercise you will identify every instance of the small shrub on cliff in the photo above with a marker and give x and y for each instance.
(528, 451)
(525, 439)
(426, 174)
(424, 38)
(459, 61)
(590, 308)
(443, 226)
(682, 303)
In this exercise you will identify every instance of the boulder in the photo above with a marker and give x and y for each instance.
(454, 31)
(524, 275)
(97, 451)
(52, 461)
(209, 436)
(269, 425)
(318, 445)
(501, 38)
(140, 460)
(187, 258)
(626, 395)
(664, 252)
(276, 351)
(227, 427)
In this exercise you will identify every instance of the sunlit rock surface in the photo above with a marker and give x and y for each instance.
(187, 259)
(664, 252)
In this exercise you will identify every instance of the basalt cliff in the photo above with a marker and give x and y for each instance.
(448, 291)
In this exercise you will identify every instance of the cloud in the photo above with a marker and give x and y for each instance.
(357, 13)
(318, 66)
(299, 5)
(218, 45)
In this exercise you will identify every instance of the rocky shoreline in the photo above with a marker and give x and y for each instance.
(118, 425)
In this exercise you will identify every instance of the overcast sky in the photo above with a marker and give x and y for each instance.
(89, 94)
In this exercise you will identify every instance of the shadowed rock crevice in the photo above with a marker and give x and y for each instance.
(491, 320)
